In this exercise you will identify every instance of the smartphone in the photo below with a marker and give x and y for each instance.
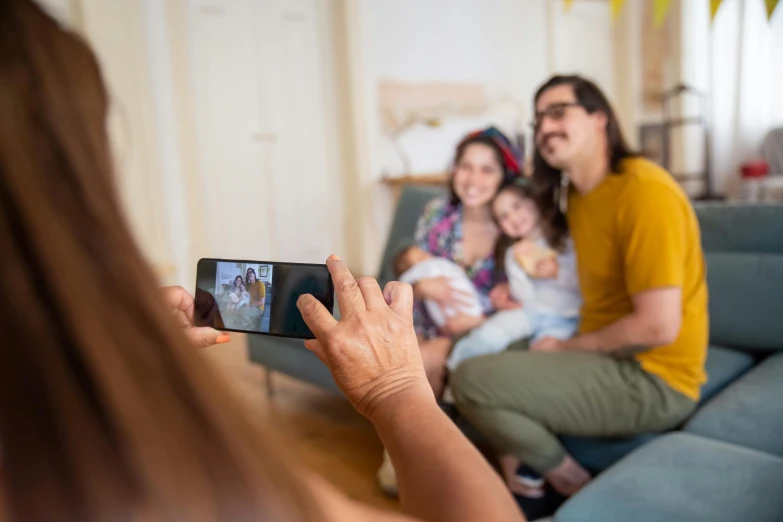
(258, 297)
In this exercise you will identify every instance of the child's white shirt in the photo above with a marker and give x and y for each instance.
(560, 296)
(458, 279)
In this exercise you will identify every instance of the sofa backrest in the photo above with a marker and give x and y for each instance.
(409, 209)
(743, 246)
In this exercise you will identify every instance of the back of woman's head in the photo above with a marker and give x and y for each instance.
(106, 412)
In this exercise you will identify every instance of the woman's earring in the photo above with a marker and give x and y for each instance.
(564, 182)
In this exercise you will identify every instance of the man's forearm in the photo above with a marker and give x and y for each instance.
(625, 337)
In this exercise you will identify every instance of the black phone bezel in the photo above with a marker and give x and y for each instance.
(330, 306)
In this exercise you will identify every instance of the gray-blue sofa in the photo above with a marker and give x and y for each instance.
(726, 462)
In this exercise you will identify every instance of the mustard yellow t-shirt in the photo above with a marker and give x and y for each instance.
(634, 232)
(257, 293)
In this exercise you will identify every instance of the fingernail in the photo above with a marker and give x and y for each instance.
(222, 339)
(334, 257)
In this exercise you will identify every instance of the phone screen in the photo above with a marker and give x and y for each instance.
(258, 296)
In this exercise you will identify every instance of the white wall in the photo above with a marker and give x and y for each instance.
(223, 119)
(509, 46)
(263, 100)
(116, 32)
(745, 82)
(62, 10)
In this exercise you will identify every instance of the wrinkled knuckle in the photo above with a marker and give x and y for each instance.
(329, 339)
(398, 326)
(363, 322)
(309, 305)
(348, 285)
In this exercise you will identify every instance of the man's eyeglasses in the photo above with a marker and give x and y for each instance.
(556, 111)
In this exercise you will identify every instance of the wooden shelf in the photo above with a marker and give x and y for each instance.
(436, 179)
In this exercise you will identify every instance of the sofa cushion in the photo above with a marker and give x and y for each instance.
(749, 412)
(596, 454)
(740, 227)
(683, 478)
(745, 299)
(289, 356)
(409, 208)
(723, 366)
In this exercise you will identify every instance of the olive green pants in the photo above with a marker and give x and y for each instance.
(522, 400)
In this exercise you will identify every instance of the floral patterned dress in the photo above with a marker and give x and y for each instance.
(439, 232)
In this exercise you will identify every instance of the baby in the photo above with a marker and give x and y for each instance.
(412, 264)
(541, 278)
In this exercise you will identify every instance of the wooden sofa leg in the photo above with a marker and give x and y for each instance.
(270, 385)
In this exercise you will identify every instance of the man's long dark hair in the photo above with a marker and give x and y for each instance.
(547, 178)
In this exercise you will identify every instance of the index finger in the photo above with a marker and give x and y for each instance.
(349, 296)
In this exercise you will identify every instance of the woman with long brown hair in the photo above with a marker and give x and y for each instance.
(107, 412)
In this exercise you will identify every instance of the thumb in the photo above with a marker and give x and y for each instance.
(399, 296)
(315, 346)
(205, 336)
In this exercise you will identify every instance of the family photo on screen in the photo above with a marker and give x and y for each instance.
(243, 293)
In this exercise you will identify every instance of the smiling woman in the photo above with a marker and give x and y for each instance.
(462, 230)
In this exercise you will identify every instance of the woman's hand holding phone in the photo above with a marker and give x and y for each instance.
(374, 356)
(372, 351)
(181, 305)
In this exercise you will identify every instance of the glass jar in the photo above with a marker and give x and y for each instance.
(754, 174)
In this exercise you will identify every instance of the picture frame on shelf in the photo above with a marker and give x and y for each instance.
(654, 143)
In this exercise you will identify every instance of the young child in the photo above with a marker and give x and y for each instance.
(243, 297)
(541, 274)
(412, 264)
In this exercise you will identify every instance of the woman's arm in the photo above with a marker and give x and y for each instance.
(501, 299)
(462, 323)
(440, 290)
(375, 359)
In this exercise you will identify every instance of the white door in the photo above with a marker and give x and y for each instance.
(262, 93)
